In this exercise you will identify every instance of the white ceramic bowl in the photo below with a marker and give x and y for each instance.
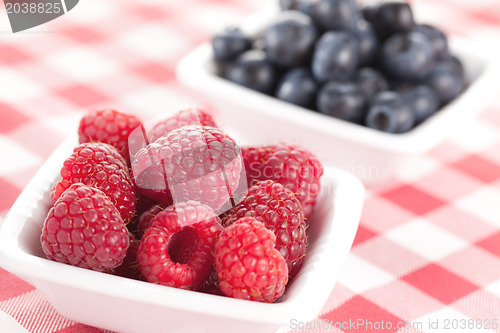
(371, 155)
(126, 305)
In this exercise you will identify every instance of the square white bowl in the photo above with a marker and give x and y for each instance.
(126, 305)
(371, 155)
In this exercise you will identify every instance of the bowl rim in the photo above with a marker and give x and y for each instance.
(192, 71)
(304, 305)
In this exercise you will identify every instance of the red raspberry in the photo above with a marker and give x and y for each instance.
(211, 284)
(189, 116)
(108, 126)
(247, 264)
(128, 267)
(191, 163)
(294, 167)
(176, 250)
(147, 217)
(99, 165)
(280, 211)
(85, 229)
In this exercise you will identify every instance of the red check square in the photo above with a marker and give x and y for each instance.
(413, 199)
(157, 72)
(362, 235)
(360, 315)
(479, 168)
(491, 244)
(12, 286)
(83, 34)
(152, 13)
(440, 283)
(11, 118)
(490, 16)
(12, 55)
(8, 195)
(82, 95)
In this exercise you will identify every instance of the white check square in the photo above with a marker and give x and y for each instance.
(426, 239)
(483, 203)
(359, 275)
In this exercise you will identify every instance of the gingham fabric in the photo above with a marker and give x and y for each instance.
(427, 251)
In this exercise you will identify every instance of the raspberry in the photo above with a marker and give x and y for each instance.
(189, 116)
(147, 217)
(211, 284)
(108, 126)
(247, 264)
(280, 211)
(176, 250)
(128, 267)
(85, 229)
(194, 162)
(292, 166)
(99, 165)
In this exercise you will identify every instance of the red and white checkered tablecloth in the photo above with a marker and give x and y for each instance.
(428, 247)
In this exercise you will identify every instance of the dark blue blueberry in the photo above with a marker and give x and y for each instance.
(336, 14)
(298, 87)
(423, 101)
(453, 61)
(307, 7)
(447, 80)
(437, 37)
(220, 67)
(393, 17)
(371, 82)
(368, 42)
(304, 6)
(402, 86)
(335, 56)
(389, 113)
(408, 56)
(230, 43)
(343, 100)
(290, 41)
(288, 4)
(385, 96)
(369, 12)
(252, 69)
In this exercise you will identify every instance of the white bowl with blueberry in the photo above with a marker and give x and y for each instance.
(363, 87)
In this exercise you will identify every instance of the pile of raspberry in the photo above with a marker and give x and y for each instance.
(178, 203)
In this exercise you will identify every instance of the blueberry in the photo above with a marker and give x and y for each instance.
(389, 113)
(437, 37)
(408, 56)
(290, 40)
(369, 12)
(230, 43)
(288, 4)
(252, 69)
(304, 6)
(385, 96)
(307, 7)
(335, 56)
(336, 14)
(402, 86)
(423, 101)
(453, 61)
(343, 100)
(393, 17)
(447, 80)
(371, 82)
(368, 42)
(298, 87)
